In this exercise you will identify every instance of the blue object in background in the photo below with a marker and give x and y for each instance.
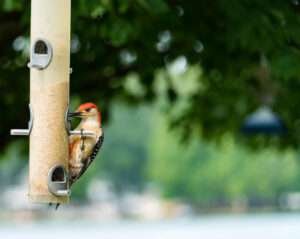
(263, 121)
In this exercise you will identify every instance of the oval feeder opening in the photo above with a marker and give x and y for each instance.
(58, 175)
(58, 181)
(40, 47)
(41, 54)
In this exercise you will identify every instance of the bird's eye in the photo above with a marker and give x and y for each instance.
(88, 110)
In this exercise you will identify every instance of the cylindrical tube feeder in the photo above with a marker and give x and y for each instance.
(49, 125)
(49, 99)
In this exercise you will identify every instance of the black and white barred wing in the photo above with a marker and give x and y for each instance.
(90, 159)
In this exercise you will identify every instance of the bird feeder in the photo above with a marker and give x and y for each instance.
(49, 99)
(263, 121)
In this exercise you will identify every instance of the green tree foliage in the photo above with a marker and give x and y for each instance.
(114, 38)
(12, 169)
(210, 175)
(125, 155)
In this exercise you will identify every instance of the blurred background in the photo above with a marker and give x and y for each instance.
(201, 120)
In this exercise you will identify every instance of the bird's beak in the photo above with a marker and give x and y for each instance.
(74, 114)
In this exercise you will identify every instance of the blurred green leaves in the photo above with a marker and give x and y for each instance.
(11, 5)
(124, 156)
(217, 174)
(222, 40)
(14, 164)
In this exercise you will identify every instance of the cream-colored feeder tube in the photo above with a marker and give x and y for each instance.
(49, 97)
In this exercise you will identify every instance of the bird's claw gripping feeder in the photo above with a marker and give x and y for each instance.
(49, 99)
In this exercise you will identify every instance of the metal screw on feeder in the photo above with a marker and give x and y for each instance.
(24, 132)
(85, 133)
(263, 121)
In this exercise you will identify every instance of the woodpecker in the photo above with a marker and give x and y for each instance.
(83, 149)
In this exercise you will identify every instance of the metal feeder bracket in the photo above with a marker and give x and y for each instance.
(24, 132)
(58, 181)
(85, 133)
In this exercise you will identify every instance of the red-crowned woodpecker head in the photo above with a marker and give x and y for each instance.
(87, 110)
